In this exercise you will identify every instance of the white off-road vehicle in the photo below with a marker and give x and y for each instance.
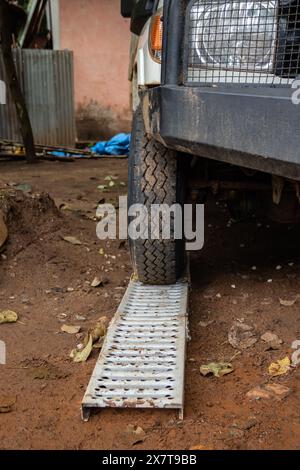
(216, 109)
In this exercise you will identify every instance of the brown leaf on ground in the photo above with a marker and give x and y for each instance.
(100, 329)
(258, 393)
(84, 354)
(132, 435)
(7, 403)
(269, 391)
(241, 336)
(8, 316)
(93, 340)
(279, 390)
(70, 329)
(218, 369)
(99, 282)
(72, 240)
(287, 303)
(272, 340)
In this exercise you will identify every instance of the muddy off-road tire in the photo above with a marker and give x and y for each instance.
(155, 177)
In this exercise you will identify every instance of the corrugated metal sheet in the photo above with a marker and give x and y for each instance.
(47, 81)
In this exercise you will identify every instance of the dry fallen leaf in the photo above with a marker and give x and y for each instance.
(99, 282)
(205, 324)
(287, 303)
(269, 391)
(279, 391)
(272, 340)
(93, 340)
(72, 240)
(280, 367)
(7, 403)
(84, 354)
(100, 329)
(258, 393)
(8, 316)
(70, 329)
(241, 336)
(132, 435)
(217, 369)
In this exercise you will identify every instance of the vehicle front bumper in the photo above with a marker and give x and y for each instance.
(253, 127)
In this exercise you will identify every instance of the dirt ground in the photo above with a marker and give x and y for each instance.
(240, 276)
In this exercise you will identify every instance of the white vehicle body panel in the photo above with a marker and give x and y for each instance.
(149, 71)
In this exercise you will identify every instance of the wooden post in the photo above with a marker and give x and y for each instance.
(6, 34)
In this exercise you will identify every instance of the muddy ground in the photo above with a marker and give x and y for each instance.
(241, 275)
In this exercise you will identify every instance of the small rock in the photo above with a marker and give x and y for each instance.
(192, 359)
(205, 324)
(267, 301)
(57, 290)
(80, 318)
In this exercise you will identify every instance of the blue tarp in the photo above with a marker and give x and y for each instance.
(61, 153)
(118, 145)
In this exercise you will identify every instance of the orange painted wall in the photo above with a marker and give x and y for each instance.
(100, 38)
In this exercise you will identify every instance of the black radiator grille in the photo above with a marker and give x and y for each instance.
(234, 41)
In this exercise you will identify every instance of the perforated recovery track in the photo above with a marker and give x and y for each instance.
(141, 364)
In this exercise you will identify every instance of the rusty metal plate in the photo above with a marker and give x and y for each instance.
(141, 364)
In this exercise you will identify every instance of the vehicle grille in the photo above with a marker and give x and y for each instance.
(234, 41)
